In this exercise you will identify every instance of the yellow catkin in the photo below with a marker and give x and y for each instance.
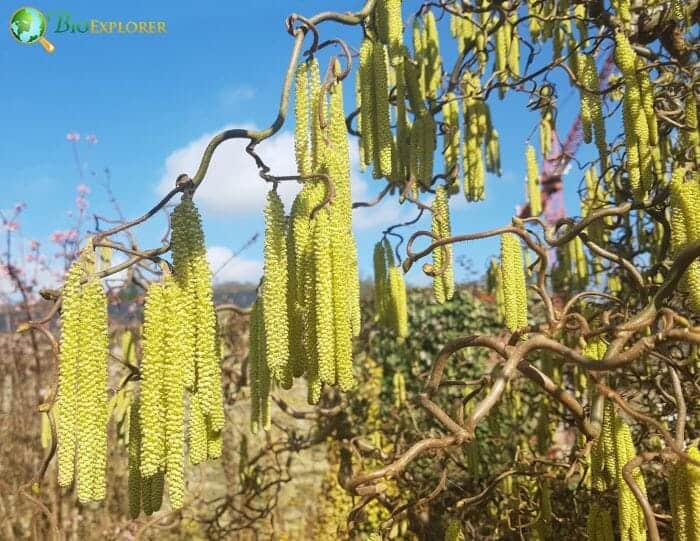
(514, 287)
(476, 128)
(494, 284)
(631, 518)
(514, 45)
(502, 57)
(193, 275)
(693, 483)
(403, 130)
(258, 375)
(367, 103)
(639, 156)
(399, 388)
(647, 97)
(685, 227)
(439, 260)
(433, 62)
(383, 139)
(493, 153)
(420, 56)
(454, 531)
(679, 497)
(66, 398)
(446, 232)
(134, 480)
(274, 290)
(450, 115)
(381, 282)
(319, 110)
(302, 127)
(394, 29)
(297, 244)
(152, 408)
(92, 393)
(323, 285)
(689, 137)
(399, 308)
(173, 391)
(345, 271)
(533, 182)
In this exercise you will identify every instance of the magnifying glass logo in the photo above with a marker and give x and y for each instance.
(28, 25)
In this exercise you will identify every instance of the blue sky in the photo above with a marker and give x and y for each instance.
(153, 100)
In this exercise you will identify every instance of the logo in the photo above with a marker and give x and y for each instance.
(28, 25)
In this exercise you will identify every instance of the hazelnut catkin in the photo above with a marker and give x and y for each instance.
(533, 182)
(134, 480)
(302, 128)
(152, 405)
(92, 393)
(274, 291)
(685, 227)
(66, 398)
(193, 276)
(513, 277)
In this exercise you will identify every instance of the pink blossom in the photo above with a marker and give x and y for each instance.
(58, 237)
(72, 235)
(81, 203)
(30, 258)
(34, 244)
(73, 136)
(42, 259)
(12, 225)
(92, 139)
(83, 189)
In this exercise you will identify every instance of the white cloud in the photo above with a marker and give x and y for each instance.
(232, 269)
(232, 184)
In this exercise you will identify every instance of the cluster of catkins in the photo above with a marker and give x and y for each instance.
(685, 227)
(391, 305)
(180, 366)
(308, 310)
(386, 65)
(641, 132)
(81, 401)
(510, 284)
(611, 451)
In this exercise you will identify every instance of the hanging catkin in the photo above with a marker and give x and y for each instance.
(152, 408)
(193, 275)
(302, 127)
(433, 62)
(533, 182)
(381, 283)
(685, 227)
(450, 119)
(684, 495)
(639, 158)
(81, 402)
(399, 309)
(382, 139)
(134, 480)
(514, 288)
(66, 398)
(92, 393)
(443, 280)
(258, 374)
(274, 291)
